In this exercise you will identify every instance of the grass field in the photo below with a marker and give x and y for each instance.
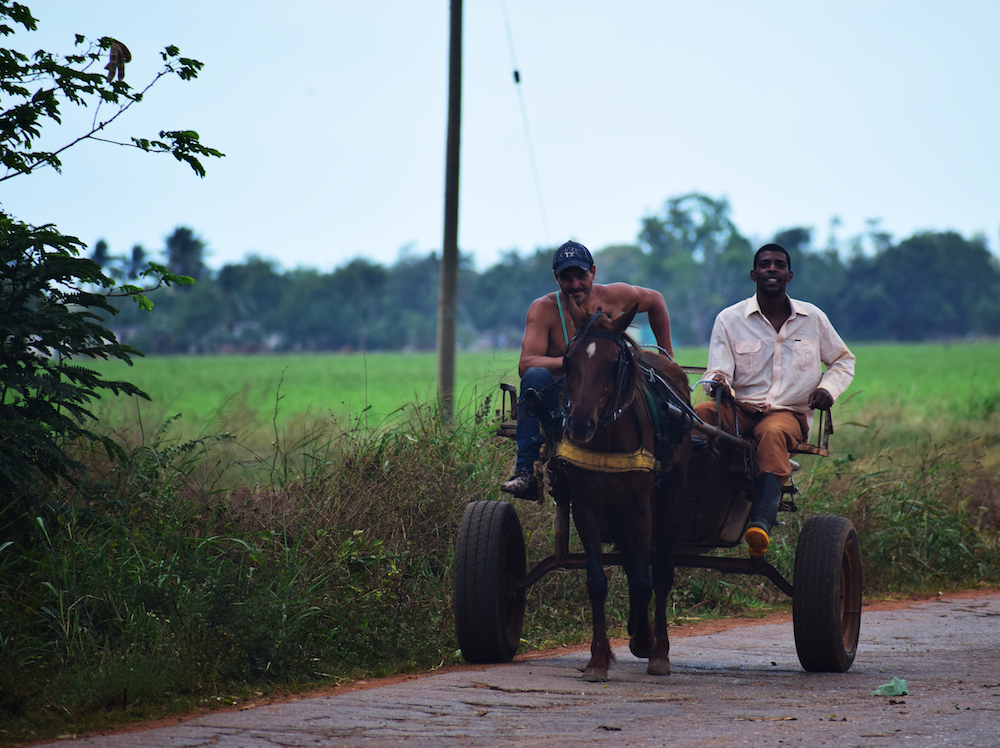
(913, 385)
(213, 390)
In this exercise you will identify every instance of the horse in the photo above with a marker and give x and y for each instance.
(623, 477)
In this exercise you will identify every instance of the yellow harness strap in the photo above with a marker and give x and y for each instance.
(640, 461)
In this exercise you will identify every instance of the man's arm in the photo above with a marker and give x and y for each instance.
(659, 318)
(535, 344)
(721, 362)
(839, 363)
(651, 302)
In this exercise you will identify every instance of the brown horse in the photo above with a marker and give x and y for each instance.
(623, 478)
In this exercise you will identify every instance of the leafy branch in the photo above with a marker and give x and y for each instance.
(58, 79)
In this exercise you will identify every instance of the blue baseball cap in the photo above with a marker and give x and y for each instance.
(571, 255)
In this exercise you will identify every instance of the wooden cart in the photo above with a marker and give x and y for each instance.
(492, 574)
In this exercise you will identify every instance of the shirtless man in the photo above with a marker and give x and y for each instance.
(548, 329)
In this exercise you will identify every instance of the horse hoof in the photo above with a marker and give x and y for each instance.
(641, 649)
(595, 675)
(659, 666)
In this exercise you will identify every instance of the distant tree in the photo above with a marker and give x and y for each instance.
(797, 240)
(253, 290)
(620, 263)
(505, 291)
(820, 275)
(412, 286)
(186, 253)
(135, 263)
(698, 259)
(102, 254)
(939, 285)
(196, 319)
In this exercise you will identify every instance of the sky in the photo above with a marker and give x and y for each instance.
(332, 117)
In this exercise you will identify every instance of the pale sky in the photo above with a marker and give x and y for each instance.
(332, 116)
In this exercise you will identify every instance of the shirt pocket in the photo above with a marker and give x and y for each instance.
(748, 355)
(805, 354)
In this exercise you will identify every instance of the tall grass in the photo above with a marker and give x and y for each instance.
(205, 570)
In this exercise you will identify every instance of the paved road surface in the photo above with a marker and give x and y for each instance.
(739, 687)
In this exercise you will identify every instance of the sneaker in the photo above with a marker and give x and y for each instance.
(757, 540)
(522, 485)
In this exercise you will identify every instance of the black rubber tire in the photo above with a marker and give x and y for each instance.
(826, 604)
(489, 559)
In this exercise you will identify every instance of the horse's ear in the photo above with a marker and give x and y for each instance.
(623, 320)
(578, 315)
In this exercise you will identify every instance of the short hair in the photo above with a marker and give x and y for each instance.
(773, 248)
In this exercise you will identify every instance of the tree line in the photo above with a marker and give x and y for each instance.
(929, 286)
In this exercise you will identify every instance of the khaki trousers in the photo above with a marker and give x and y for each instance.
(775, 432)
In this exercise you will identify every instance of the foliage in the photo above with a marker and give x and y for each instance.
(150, 580)
(696, 252)
(52, 309)
(41, 84)
(186, 253)
(54, 304)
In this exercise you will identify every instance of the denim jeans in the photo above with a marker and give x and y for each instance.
(529, 421)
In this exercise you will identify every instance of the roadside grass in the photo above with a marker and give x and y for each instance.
(150, 591)
(309, 550)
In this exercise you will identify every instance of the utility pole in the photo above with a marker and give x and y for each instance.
(447, 302)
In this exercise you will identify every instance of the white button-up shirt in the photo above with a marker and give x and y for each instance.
(778, 370)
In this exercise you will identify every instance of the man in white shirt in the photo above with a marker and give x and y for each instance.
(767, 351)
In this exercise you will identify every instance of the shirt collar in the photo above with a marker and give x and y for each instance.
(754, 306)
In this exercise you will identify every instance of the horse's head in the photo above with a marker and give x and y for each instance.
(596, 366)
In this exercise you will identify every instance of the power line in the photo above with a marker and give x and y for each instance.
(524, 119)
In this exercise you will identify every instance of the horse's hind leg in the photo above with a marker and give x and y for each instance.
(663, 582)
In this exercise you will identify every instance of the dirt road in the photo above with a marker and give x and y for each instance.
(734, 687)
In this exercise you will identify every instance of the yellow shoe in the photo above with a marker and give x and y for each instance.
(757, 540)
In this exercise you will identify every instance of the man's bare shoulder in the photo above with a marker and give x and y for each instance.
(617, 293)
(547, 299)
(543, 306)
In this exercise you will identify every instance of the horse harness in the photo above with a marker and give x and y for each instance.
(655, 391)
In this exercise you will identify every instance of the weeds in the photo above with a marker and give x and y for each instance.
(202, 571)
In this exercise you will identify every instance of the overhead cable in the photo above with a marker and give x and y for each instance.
(524, 118)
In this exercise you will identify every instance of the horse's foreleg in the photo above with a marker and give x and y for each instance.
(601, 655)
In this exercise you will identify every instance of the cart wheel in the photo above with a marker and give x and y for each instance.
(826, 605)
(489, 558)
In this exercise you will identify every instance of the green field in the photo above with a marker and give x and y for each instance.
(212, 391)
(913, 383)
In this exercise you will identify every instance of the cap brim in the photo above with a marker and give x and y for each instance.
(582, 264)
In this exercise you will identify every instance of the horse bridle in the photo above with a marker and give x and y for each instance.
(623, 366)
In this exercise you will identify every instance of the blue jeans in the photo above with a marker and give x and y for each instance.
(529, 421)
